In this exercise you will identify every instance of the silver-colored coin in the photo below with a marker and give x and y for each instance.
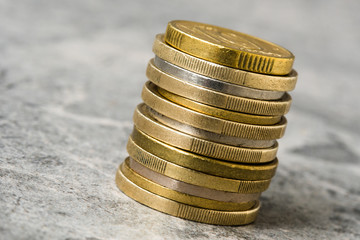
(219, 138)
(214, 84)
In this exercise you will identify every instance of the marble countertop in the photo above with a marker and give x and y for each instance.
(71, 74)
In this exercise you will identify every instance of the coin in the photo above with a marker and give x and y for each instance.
(219, 112)
(187, 193)
(183, 210)
(145, 123)
(217, 99)
(207, 135)
(200, 163)
(216, 85)
(204, 141)
(156, 101)
(223, 73)
(149, 160)
(229, 48)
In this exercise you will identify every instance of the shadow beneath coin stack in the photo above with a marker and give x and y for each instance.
(277, 213)
(290, 206)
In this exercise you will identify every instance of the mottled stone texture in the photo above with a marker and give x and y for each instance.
(71, 74)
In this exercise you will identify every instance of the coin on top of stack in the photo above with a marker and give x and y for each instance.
(204, 146)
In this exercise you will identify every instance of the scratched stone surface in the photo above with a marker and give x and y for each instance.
(71, 74)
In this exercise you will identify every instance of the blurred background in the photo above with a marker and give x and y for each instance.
(71, 74)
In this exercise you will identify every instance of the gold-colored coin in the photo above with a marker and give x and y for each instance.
(200, 163)
(191, 189)
(207, 135)
(219, 112)
(217, 99)
(179, 196)
(191, 176)
(145, 123)
(223, 73)
(156, 101)
(185, 211)
(229, 48)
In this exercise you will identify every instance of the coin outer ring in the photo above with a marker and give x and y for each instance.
(151, 127)
(200, 163)
(220, 113)
(207, 135)
(193, 44)
(183, 210)
(223, 73)
(194, 177)
(217, 99)
(156, 101)
(214, 84)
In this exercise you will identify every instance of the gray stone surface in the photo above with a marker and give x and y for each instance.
(71, 73)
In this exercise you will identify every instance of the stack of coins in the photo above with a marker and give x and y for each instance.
(204, 143)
